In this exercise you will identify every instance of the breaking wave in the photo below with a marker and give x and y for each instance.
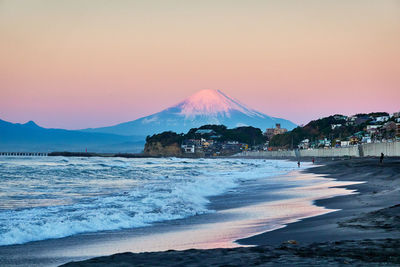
(43, 198)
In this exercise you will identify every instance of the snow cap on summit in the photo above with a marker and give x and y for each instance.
(212, 102)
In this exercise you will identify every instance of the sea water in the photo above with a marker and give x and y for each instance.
(54, 197)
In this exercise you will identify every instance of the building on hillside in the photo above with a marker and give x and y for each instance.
(270, 132)
(340, 117)
(324, 142)
(382, 118)
(188, 146)
(353, 140)
(205, 131)
(389, 126)
(366, 139)
(304, 144)
(373, 129)
(396, 115)
(391, 129)
(334, 126)
(344, 143)
(207, 143)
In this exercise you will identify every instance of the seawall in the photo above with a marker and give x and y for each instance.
(365, 150)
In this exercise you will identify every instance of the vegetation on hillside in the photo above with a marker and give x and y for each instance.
(165, 138)
(248, 135)
(320, 129)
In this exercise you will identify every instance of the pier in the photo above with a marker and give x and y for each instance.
(23, 154)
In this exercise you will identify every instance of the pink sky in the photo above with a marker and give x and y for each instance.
(78, 64)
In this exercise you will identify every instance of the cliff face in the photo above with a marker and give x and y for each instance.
(157, 149)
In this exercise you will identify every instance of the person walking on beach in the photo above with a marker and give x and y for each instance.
(298, 164)
(313, 160)
(381, 158)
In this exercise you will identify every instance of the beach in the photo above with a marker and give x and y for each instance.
(364, 230)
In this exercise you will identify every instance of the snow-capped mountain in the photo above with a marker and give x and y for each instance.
(203, 107)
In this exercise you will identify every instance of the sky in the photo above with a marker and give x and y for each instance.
(88, 63)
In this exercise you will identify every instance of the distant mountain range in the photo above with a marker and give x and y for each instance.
(204, 107)
(27, 137)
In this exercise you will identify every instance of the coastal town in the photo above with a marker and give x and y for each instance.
(330, 132)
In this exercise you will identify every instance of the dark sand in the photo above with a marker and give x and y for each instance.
(365, 232)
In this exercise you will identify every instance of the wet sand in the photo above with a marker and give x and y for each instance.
(364, 232)
(254, 207)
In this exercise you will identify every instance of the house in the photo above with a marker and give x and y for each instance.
(344, 143)
(382, 118)
(207, 143)
(390, 126)
(351, 120)
(324, 143)
(340, 117)
(373, 129)
(304, 144)
(366, 139)
(188, 146)
(354, 140)
(396, 115)
(334, 126)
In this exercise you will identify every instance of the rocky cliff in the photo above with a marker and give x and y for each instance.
(156, 149)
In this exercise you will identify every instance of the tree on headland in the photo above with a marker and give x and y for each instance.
(246, 134)
(165, 138)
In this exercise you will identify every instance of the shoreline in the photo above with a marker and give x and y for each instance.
(366, 222)
(252, 207)
(380, 191)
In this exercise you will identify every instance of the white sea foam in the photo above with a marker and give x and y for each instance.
(43, 198)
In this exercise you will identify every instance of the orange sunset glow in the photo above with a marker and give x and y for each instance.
(78, 64)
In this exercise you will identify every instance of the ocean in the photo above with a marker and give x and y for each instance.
(222, 200)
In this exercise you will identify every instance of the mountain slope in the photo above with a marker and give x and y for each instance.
(31, 137)
(204, 107)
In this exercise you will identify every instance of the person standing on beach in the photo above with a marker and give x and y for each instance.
(313, 160)
(381, 158)
(298, 164)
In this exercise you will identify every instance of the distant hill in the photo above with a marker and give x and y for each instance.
(31, 137)
(169, 143)
(204, 107)
(322, 128)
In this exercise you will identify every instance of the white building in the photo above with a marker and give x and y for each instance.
(344, 143)
(188, 147)
(305, 144)
(334, 126)
(371, 129)
(382, 118)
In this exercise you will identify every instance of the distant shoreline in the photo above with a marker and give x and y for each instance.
(104, 155)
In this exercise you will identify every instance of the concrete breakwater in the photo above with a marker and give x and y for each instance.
(391, 149)
(24, 154)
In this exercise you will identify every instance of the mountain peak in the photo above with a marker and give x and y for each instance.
(211, 102)
(31, 124)
(203, 107)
